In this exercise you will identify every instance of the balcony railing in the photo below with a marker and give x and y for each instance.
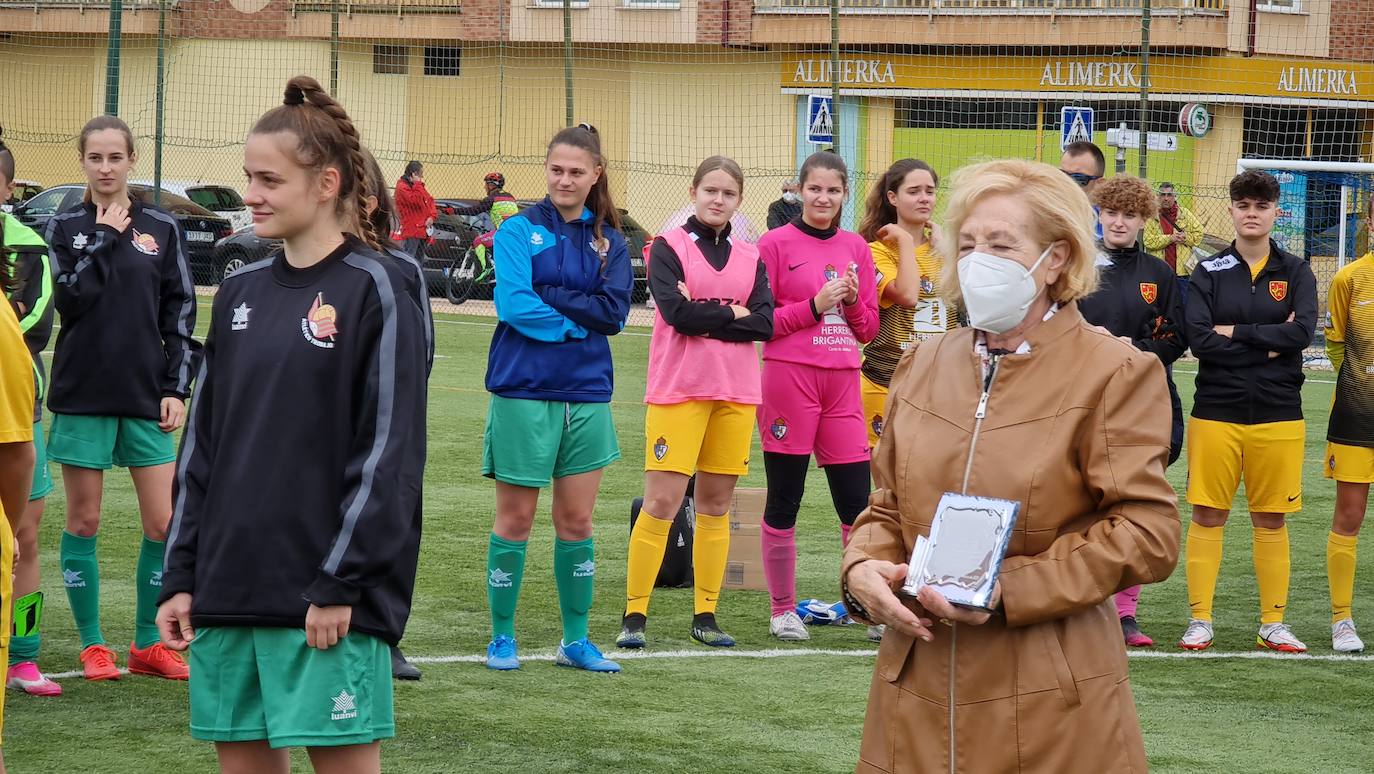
(1213, 6)
(397, 7)
(83, 5)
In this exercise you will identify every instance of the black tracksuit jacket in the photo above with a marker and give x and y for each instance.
(1238, 380)
(128, 311)
(300, 470)
(1137, 297)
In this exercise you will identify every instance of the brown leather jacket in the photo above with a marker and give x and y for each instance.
(1077, 431)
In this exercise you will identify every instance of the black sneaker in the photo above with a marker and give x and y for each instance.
(705, 631)
(400, 668)
(631, 631)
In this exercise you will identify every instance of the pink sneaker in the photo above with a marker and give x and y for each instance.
(1135, 638)
(25, 677)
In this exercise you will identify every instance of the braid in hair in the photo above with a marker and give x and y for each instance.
(327, 138)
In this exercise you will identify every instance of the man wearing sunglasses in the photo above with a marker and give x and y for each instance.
(1083, 161)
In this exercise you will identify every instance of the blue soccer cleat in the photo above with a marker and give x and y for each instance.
(584, 655)
(501, 654)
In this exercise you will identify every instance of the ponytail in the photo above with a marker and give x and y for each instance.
(585, 137)
(326, 137)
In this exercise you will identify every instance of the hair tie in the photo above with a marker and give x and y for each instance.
(588, 127)
(294, 96)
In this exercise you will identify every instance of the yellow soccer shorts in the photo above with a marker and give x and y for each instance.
(875, 398)
(1267, 456)
(710, 436)
(1349, 464)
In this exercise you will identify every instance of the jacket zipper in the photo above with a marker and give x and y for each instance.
(978, 415)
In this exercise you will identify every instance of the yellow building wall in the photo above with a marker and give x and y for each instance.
(733, 107)
(42, 121)
(1214, 164)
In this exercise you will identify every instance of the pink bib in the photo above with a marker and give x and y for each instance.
(683, 368)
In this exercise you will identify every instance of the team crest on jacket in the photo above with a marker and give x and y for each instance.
(1278, 289)
(79, 242)
(660, 448)
(144, 243)
(877, 424)
(927, 286)
(830, 272)
(1149, 291)
(778, 428)
(318, 325)
(602, 246)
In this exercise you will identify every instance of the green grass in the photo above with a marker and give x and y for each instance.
(799, 714)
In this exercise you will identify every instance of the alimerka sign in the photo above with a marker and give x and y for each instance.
(1030, 75)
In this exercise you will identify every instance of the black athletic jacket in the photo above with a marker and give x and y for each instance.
(299, 475)
(1238, 381)
(1137, 297)
(128, 310)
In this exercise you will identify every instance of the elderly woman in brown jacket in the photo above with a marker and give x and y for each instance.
(1030, 404)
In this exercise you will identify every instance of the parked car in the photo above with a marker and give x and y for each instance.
(244, 247)
(219, 199)
(469, 227)
(201, 227)
(23, 191)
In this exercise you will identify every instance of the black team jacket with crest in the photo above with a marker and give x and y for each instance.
(128, 310)
(1238, 381)
(1137, 297)
(300, 469)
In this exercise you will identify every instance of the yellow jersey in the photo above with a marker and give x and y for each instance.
(898, 326)
(1350, 343)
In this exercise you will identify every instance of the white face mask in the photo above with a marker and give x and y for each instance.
(997, 291)
(790, 197)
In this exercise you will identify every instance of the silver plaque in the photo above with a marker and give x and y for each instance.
(962, 556)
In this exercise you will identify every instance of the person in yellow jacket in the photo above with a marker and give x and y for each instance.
(1172, 236)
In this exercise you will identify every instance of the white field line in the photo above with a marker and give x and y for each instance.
(770, 653)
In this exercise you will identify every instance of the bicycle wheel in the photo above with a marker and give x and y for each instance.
(460, 276)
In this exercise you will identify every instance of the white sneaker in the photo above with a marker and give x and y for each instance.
(1277, 636)
(875, 633)
(1343, 637)
(1198, 635)
(788, 627)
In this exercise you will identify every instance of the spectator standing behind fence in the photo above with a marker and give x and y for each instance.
(1173, 235)
(416, 208)
(787, 208)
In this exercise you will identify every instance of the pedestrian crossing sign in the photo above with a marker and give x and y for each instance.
(820, 119)
(1076, 123)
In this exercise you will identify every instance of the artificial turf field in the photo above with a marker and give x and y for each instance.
(1226, 712)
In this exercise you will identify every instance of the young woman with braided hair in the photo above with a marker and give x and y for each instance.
(291, 569)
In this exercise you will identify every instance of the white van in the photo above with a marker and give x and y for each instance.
(219, 199)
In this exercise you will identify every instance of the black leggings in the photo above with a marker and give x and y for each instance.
(849, 488)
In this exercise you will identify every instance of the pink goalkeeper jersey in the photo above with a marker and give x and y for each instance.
(798, 265)
(683, 368)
